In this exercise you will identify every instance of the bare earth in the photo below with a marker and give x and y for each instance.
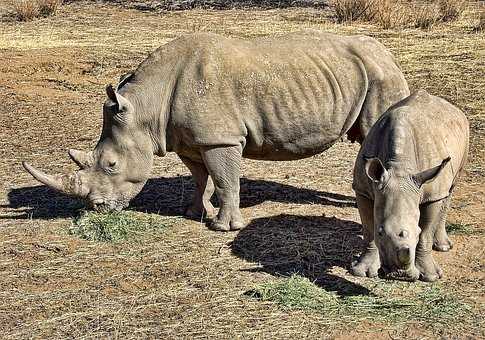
(189, 281)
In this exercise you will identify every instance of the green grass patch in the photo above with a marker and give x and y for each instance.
(117, 226)
(388, 302)
(462, 229)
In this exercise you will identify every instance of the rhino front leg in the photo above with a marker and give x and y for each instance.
(425, 263)
(441, 242)
(368, 264)
(224, 166)
(204, 189)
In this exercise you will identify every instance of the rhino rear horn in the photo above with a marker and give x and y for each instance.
(430, 174)
(82, 159)
(67, 184)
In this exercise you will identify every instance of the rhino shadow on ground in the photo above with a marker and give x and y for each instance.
(166, 196)
(308, 245)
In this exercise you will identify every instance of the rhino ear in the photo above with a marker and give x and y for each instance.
(430, 174)
(376, 171)
(122, 103)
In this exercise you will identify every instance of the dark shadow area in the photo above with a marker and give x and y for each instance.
(40, 202)
(307, 245)
(165, 196)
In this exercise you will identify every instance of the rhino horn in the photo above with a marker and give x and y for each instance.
(82, 159)
(67, 184)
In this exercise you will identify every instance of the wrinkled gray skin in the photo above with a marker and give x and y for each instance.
(403, 178)
(214, 100)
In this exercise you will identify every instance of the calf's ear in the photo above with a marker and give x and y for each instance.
(430, 174)
(376, 171)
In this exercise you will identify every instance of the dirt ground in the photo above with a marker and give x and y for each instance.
(189, 281)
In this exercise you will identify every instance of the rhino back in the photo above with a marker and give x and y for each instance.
(282, 98)
(414, 135)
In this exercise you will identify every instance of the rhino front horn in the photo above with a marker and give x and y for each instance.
(67, 184)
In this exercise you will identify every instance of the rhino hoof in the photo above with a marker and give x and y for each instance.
(218, 226)
(237, 225)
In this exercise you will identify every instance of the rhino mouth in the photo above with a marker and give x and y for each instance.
(102, 206)
(402, 274)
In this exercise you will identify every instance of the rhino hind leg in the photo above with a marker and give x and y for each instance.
(441, 241)
(224, 166)
(204, 189)
(369, 263)
(431, 214)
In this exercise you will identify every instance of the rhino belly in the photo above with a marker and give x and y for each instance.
(291, 141)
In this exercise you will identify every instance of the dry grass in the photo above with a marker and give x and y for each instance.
(428, 304)
(389, 14)
(425, 17)
(451, 10)
(347, 11)
(27, 10)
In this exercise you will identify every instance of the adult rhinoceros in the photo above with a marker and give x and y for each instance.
(214, 100)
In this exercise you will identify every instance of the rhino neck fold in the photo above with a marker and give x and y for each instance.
(152, 112)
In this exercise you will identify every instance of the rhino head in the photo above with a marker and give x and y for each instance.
(396, 216)
(118, 167)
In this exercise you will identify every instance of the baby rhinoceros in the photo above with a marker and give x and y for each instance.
(403, 179)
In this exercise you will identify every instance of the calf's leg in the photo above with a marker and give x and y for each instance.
(441, 242)
(224, 166)
(428, 221)
(204, 189)
(368, 264)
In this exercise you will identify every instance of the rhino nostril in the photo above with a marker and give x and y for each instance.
(403, 234)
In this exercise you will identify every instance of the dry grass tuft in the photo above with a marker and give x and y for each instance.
(352, 10)
(425, 17)
(481, 22)
(27, 10)
(389, 14)
(48, 7)
(116, 227)
(451, 10)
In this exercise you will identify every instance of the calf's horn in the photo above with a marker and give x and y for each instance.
(67, 184)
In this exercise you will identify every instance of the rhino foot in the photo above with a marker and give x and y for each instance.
(429, 271)
(367, 265)
(442, 243)
(220, 225)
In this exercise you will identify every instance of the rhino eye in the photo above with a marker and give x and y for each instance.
(111, 164)
(380, 230)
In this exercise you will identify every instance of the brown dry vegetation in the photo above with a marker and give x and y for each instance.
(185, 280)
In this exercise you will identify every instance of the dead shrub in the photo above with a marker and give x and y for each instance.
(451, 10)
(26, 10)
